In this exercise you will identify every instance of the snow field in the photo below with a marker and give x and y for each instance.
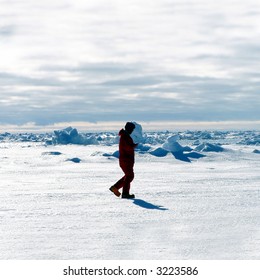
(57, 209)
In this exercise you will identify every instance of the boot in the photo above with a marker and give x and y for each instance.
(115, 191)
(128, 196)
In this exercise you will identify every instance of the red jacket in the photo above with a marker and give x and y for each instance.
(126, 147)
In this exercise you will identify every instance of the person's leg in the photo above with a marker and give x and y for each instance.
(119, 184)
(129, 176)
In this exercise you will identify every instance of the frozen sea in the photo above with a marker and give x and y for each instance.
(55, 202)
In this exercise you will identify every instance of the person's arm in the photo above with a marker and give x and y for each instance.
(130, 142)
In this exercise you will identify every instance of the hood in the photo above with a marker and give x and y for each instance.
(122, 131)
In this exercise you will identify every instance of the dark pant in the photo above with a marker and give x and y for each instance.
(124, 182)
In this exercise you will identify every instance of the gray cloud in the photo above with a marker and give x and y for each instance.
(143, 96)
(171, 60)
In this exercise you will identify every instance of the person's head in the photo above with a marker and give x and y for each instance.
(129, 127)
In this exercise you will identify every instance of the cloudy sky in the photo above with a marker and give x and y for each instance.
(152, 61)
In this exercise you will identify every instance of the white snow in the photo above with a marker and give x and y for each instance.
(204, 208)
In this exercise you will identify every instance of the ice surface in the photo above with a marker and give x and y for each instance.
(70, 135)
(207, 147)
(159, 152)
(198, 206)
(172, 145)
(137, 134)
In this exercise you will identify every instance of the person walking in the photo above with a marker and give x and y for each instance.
(126, 162)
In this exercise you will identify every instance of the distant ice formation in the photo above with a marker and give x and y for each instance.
(207, 147)
(70, 135)
(172, 145)
(137, 134)
(167, 140)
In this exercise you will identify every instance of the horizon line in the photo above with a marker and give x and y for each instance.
(147, 126)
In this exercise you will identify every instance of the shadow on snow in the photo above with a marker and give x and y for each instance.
(185, 156)
(148, 205)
